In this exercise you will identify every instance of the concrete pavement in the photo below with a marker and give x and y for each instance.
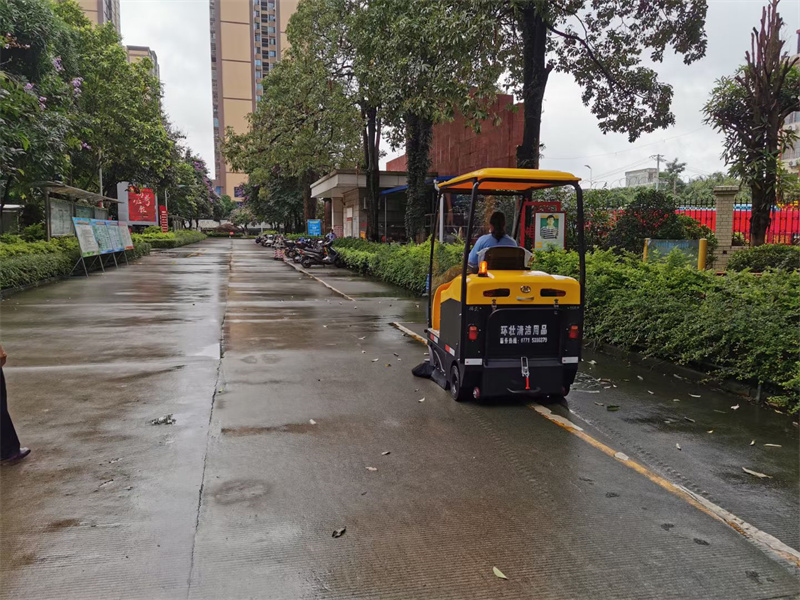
(238, 499)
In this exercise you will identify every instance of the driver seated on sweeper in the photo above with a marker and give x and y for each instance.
(496, 237)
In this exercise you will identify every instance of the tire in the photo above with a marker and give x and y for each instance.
(306, 263)
(339, 263)
(457, 392)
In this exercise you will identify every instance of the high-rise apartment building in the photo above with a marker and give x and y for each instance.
(101, 12)
(791, 155)
(137, 53)
(247, 40)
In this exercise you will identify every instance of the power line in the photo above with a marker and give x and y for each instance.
(626, 150)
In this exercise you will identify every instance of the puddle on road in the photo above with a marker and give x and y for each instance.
(211, 351)
(288, 428)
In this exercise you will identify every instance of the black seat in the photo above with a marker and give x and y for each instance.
(505, 258)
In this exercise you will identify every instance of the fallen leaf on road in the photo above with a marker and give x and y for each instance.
(395, 353)
(599, 404)
(421, 400)
(339, 532)
(695, 395)
(649, 392)
(363, 338)
(363, 352)
(375, 360)
(678, 446)
(756, 473)
(710, 431)
(587, 391)
(688, 419)
(773, 446)
(325, 326)
(387, 453)
(722, 412)
(592, 362)
(388, 365)
(735, 407)
(612, 407)
(676, 376)
(372, 468)
(640, 378)
(312, 421)
(498, 573)
(668, 422)
(165, 420)
(753, 443)
(675, 400)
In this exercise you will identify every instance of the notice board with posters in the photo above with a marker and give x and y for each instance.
(101, 235)
(314, 227)
(60, 218)
(85, 235)
(114, 236)
(142, 207)
(125, 234)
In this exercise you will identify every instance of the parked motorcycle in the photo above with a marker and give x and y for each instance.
(324, 254)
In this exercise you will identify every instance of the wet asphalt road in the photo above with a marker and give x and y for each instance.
(238, 499)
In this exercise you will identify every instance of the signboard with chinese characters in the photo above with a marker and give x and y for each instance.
(125, 234)
(163, 219)
(142, 207)
(314, 227)
(549, 230)
(527, 333)
(114, 236)
(101, 235)
(85, 235)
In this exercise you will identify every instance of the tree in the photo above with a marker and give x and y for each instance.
(750, 108)
(600, 43)
(304, 126)
(437, 59)
(222, 208)
(672, 175)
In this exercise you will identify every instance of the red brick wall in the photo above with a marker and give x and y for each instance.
(457, 149)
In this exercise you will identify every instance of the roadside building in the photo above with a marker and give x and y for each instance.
(791, 155)
(101, 12)
(137, 53)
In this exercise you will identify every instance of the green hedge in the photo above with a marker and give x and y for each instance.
(739, 326)
(24, 269)
(768, 256)
(172, 239)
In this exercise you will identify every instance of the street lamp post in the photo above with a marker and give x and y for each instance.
(591, 179)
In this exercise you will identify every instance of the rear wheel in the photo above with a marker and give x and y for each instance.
(306, 263)
(458, 393)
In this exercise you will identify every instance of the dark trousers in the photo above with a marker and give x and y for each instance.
(9, 442)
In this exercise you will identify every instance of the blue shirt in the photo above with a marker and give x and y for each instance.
(488, 241)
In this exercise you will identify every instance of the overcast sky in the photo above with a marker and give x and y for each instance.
(178, 31)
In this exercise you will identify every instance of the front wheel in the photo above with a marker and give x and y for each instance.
(306, 263)
(456, 391)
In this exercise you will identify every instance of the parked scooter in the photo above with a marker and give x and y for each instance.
(323, 255)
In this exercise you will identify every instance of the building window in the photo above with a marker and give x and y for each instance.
(258, 62)
(272, 41)
(216, 123)
(272, 54)
(258, 37)
(271, 18)
(260, 87)
(270, 29)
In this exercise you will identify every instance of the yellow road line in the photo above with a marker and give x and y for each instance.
(768, 543)
(410, 333)
(764, 540)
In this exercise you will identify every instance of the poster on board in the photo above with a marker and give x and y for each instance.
(125, 234)
(114, 236)
(85, 235)
(314, 227)
(60, 218)
(102, 237)
(549, 230)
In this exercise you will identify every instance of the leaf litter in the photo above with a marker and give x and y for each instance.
(756, 473)
(498, 573)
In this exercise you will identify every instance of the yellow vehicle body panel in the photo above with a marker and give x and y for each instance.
(524, 289)
(514, 180)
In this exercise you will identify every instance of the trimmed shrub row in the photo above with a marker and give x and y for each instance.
(29, 268)
(768, 256)
(739, 326)
(172, 239)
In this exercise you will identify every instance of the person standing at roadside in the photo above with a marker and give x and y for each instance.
(10, 451)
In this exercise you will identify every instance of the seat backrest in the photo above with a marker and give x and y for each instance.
(505, 258)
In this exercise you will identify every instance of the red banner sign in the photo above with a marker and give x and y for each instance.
(142, 206)
(162, 217)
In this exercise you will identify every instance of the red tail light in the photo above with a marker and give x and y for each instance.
(574, 332)
(473, 333)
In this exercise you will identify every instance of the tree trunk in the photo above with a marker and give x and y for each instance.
(309, 203)
(4, 201)
(419, 135)
(534, 82)
(760, 216)
(372, 138)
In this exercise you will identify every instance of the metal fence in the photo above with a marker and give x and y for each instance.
(784, 227)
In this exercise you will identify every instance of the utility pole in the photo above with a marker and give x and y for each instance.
(591, 179)
(658, 158)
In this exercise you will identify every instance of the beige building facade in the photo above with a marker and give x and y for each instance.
(101, 12)
(791, 156)
(137, 53)
(248, 38)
